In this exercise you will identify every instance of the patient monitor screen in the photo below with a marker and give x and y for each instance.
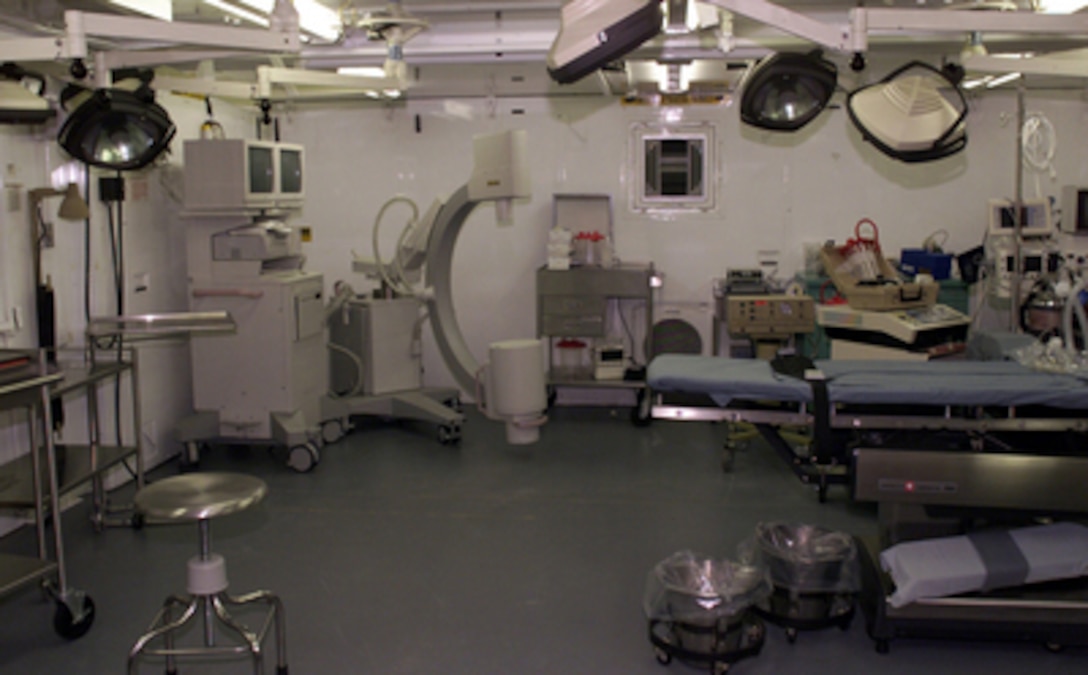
(290, 171)
(261, 171)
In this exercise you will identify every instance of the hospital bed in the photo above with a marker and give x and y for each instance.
(975, 405)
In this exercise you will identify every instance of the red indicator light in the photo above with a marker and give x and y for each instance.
(909, 486)
(760, 303)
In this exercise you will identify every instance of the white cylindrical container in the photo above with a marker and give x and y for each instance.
(516, 390)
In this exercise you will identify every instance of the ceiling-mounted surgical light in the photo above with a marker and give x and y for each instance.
(786, 91)
(915, 114)
(593, 33)
(116, 128)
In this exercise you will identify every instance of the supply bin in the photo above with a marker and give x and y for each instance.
(815, 575)
(700, 610)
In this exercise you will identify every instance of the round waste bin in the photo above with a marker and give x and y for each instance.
(815, 576)
(699, 610)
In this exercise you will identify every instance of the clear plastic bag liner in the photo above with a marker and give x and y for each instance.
(694, 589)
(1052, 357)
(805, 558)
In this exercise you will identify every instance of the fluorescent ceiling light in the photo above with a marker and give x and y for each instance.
(361, 71)
(159, 9)
(1062, 6)
(1002, 79)
(239, 12)
(313, 17)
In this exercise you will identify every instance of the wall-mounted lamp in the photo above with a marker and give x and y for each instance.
(786, 91)
(72, 207)
(115, 128)
(915, 114)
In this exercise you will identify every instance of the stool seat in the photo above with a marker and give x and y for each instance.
(199, 496)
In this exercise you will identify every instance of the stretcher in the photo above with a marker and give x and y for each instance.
(978, 401)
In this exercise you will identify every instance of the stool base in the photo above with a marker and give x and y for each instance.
(214, 609)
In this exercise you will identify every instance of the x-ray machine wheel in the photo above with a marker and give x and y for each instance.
(303, 458)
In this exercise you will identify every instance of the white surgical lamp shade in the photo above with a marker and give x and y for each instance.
(915, 117)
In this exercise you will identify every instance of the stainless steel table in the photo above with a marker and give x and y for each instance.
(25, 381)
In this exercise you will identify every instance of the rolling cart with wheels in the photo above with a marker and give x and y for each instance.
(700, 610)
(815, 573)
(25, 378)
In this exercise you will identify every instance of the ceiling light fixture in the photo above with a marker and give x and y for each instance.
(156, 9)
(915, 114)
(115, 128)
(313, 17)
(238, 12)
(786, 91)
(18, 104)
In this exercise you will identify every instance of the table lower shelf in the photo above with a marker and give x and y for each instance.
(18, 571)
(74, 468)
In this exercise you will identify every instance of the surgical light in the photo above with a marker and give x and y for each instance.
(786, 91)
(116, 128)
(593, 33)
(915, 114)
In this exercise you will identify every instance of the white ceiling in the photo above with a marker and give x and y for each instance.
(474, 45)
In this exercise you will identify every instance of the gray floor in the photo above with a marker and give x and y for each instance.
(398, 555)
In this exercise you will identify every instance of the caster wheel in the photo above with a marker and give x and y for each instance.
(720, 668)
(333, 430)
(662, 656)
(73, 626)
(1054, 647)
(883, 647)
(303, 458)
(791, 635)
(138, 521)
(553, 394)
(641, 415)
(728, 460)
(189, 459)
(449, 434)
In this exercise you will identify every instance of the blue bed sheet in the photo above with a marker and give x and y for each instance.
(971, 383)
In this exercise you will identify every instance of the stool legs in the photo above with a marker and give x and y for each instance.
(208, 597)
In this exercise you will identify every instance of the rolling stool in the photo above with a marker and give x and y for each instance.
(201, 497)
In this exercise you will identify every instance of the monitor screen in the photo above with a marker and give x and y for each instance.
(261, 170)
(1034, 217)
(290, 171)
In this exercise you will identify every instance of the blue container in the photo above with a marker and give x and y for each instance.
(920, 261)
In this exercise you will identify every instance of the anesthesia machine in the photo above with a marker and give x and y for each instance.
(264, 382)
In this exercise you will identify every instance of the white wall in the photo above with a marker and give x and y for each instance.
(776, 191)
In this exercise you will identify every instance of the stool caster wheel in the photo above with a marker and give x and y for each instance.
(662, 656)
(70, 623)
(448, 434)
(883, 646)
(303, 458)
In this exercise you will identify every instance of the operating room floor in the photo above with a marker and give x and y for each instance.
(400, 555)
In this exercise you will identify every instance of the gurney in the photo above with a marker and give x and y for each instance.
(982, 401)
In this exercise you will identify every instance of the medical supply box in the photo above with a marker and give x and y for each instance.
(882, 292)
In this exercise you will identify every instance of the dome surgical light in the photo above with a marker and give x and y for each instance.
(116, 128)
(593, 33)
(915, 114)
(786, 91)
